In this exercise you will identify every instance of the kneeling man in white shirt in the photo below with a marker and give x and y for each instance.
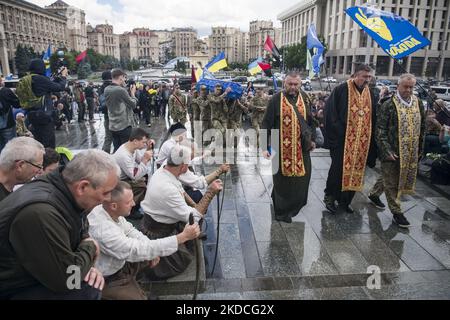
(125, 250)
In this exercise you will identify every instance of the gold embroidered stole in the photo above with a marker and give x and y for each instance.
(357, 138)
(292, 164)
(409, 124)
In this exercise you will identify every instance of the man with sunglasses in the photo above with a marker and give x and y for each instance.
(20, 161)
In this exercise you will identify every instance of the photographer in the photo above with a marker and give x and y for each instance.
(41, 115)
(120, 106)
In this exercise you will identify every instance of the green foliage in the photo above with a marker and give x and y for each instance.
(84, 70)
(237, 65)
(295, 55)
(130, 65)
(22, 59)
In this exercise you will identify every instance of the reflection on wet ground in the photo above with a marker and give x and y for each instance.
(319, 255)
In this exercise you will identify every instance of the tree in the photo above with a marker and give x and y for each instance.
(84, 70)
(295, 56)
(22, 59)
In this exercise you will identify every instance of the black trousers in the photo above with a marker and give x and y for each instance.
(91, 107)
(120, 137)
(81, 111)
(334, 182)
(42, 293)
(45, 134)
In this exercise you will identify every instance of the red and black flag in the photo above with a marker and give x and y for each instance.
(81, 57)
(266, 67)
(272, 48)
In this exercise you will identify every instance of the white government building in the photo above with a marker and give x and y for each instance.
(347, 42)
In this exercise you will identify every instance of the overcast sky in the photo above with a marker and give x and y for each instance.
(125, 15)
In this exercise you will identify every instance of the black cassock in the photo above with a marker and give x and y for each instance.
(290, 194)
(336, 114)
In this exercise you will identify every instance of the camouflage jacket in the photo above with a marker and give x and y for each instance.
(205, 108)
(257, 104)
(219, 108)
(176, 109)
(387, 129)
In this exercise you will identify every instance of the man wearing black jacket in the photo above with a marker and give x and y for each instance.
(42, 118)
(45, 248)
(8, 100)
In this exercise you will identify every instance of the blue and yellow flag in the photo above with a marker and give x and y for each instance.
(46, 58)
(254, 67)
(217, 63)
(395, 35)
(315, 48)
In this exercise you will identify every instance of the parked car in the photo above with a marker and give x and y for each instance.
(11, 84)
(240, 79)
(307, 80)
(306, 87)
(384, 82)
(185, 83)
(329, 79)
(441, 92)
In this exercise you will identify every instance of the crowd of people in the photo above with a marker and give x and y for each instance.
(65, 230)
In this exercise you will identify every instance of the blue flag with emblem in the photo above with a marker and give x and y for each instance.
(313, 42)
(395, 35)
(46, 58)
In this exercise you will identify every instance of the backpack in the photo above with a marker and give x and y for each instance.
(102, 102)
(27, 98)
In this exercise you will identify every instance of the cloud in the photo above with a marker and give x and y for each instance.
(125, 15)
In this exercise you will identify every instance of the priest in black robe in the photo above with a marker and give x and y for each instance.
(289, 111)
(350, 136)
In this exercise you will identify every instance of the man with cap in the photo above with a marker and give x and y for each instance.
(167, 209)
(178, 106)
(121, 107)
(205, 109)
(41, 116)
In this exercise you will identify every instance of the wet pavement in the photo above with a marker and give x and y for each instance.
(319, 255)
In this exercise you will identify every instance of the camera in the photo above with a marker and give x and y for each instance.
(61, 64)
(130, 82)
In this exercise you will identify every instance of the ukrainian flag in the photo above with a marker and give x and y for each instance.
(254, 67)
(217, 63)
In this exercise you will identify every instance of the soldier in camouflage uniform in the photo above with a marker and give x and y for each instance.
(178, 106)
(205, 108)
(235, 110)
(219, 109)
(258, 107)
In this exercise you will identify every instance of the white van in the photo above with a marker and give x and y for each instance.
(442, 92)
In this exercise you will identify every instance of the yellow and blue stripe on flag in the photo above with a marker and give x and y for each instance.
(217, 63)
(254, 67)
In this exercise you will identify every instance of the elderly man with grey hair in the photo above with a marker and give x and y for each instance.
(400, 136)
(45, 248)
(167, 208)
(20, 161)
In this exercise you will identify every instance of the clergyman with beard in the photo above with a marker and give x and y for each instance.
(289, 111)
